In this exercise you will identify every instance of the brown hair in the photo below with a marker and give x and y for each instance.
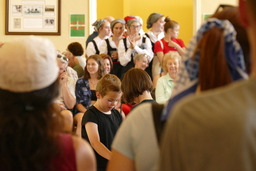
(213, 67)
(169, 24)
(135, 82)
(28, 129)
(232, 14)
(252, 5)
(76, 49)
(108, 82)
(105, 56)
(101, 70)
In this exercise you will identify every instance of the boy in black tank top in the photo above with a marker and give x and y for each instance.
(101, 121)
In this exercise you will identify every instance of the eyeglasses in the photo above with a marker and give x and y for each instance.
(62, 57)
(135, 27)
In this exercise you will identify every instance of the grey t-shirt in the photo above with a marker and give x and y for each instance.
(136, 138)
(213, 131)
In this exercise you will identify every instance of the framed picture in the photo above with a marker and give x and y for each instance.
(33, 17)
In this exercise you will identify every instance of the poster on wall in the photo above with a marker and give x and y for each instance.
(32, 17)
(77, 25)
(205, 16)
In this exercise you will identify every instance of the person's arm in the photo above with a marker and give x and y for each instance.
(81, 108)
(180, 49)
(122, 114)
(120, 162)
(160, 56)
(124, 56)
(68, 97)
(155, 79)
(160, 91)
(90, 50)
(158, 49)
(147, 51)
(84, 152)
(94, 138)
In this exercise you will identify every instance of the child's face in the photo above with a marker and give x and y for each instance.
(109, 101)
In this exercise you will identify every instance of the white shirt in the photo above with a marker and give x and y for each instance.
(81, 60)
(126, 56)
(71, 83)
(104, 48)
(136, 138)
(90, 50)
(153, 37)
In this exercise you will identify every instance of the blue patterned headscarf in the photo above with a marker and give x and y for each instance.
(187, 81)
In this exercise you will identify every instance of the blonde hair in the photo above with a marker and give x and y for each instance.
(139, 57)
(170, 55)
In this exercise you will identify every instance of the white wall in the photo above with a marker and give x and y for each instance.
(207, 7)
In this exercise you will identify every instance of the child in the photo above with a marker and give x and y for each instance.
(101, 121)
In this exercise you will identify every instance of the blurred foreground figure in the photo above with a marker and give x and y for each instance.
(215, 130)
(29, 127)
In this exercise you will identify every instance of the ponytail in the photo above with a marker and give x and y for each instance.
(213, 68)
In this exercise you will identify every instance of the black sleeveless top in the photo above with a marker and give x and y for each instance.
(110, 50)
(93, 97)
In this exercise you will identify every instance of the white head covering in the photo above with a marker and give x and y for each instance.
(27, 64)
(98, 23)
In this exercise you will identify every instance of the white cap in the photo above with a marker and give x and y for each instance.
(27, 64)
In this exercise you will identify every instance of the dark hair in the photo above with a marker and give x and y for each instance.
(76, 49)
(232, 14)
(169, 24)
(135, 82)
(100, 62)
(28, 129)
(252, 4)
(108, 82)
(213, 68)
(105, 56)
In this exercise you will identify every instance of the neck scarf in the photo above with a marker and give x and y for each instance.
(187, 78)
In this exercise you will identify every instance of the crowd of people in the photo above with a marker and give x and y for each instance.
(94, 108)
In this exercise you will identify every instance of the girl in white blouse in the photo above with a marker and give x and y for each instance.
(103, 28)
(109, 46)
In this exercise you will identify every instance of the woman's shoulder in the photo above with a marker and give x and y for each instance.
(84, 153)
(79, 144)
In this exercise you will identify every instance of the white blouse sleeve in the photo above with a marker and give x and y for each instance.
(124, 56)
(90, 50)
